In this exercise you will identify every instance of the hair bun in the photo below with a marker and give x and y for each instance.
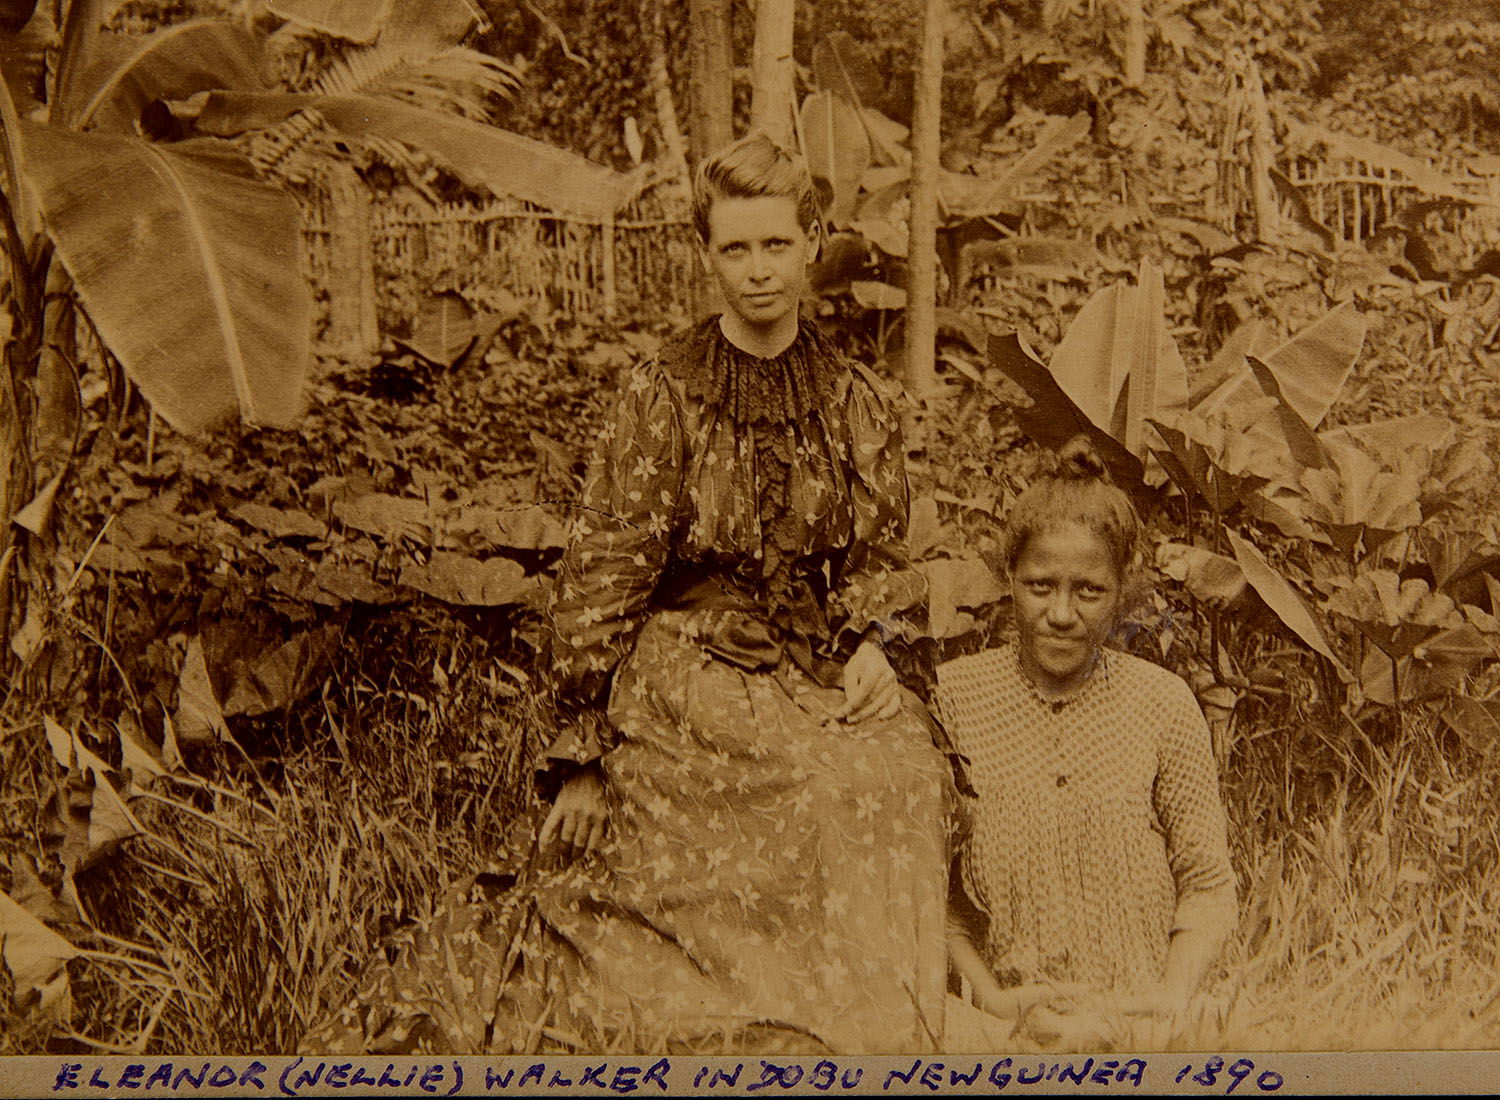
(1078, 461)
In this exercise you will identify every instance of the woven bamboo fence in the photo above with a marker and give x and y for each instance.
(1354, 188)
(376, 258)
(393, 251)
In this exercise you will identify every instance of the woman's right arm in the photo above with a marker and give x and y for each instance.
(618, 546)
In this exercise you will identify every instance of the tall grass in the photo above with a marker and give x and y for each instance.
(1369, 912)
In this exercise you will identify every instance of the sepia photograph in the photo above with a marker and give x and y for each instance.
(717, 538)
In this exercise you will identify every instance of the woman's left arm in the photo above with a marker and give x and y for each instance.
(875, 583)
(1191, 812)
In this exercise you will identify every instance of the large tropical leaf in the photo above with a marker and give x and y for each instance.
(1288, 604)
(35, 957)
(1310, 368)
(841, 66)
(1054, 417)
(837, 150)
(422, 23)
(173, 64)
(1120, 365)
(999, 195)
(354, 20)
(1359, 504)
(482, 156)
(1313, 365)
(189, 268)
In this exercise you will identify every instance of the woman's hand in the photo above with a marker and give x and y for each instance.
(870, 688)
(579, 818)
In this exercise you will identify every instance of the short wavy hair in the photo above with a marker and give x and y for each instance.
(753, 167)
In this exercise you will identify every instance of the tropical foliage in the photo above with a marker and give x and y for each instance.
(271, 682)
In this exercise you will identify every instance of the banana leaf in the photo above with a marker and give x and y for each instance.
(190, 268)
(173, 64)
(482, 156)
(837, 150)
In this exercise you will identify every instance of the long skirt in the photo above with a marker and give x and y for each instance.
(773, 879)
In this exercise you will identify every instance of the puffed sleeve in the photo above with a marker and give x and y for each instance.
(876, 583)
(1191, 812)
(618, 546)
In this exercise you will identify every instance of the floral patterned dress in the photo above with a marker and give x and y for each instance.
(774, 878)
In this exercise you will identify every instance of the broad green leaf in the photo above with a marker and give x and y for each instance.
(276, 680)
(529, 528)
(33, 953)
(887, 139)
(837, 150)
(1288, 604)
(1312, 366)
(840, 66)
(68, 751)
(137, 756)
(330, 584)
(1227, 371)
(1360, 505)
(1424, 432)
(199, 718)
(482, 156)
(22, 62)
(1397, 615)
(1222, 463)
(1118, 363)
(390, 517)
(80, 66)
(1305, 373)
(190, 269)
(458, 579)
(60, 741)
(1054, 418)
(279, 523)
(874, 295)
(419, 24)
(1446, 661)
(446, 328)
(1211, 577)
(1456, 556)
(954, 584)
(110, 824)
(1305, 446)
(173, 63)
(353, 20)
(38, 514)
(1001, 194)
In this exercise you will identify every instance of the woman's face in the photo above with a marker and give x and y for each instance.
(1067, 594)
(759, 256)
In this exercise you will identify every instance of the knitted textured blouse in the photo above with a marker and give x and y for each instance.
(1098, 828)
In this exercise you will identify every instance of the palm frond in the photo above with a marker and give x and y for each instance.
(292, 149)
(455, 79)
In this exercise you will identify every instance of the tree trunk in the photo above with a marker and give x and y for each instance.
(661, 90)
(712, 79)
(921, 290)
(1262, 156)
(773, 99)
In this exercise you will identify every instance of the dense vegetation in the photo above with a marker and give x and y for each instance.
(270, 686)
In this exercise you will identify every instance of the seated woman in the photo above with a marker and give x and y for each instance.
(747, 846)
(1096, 872)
